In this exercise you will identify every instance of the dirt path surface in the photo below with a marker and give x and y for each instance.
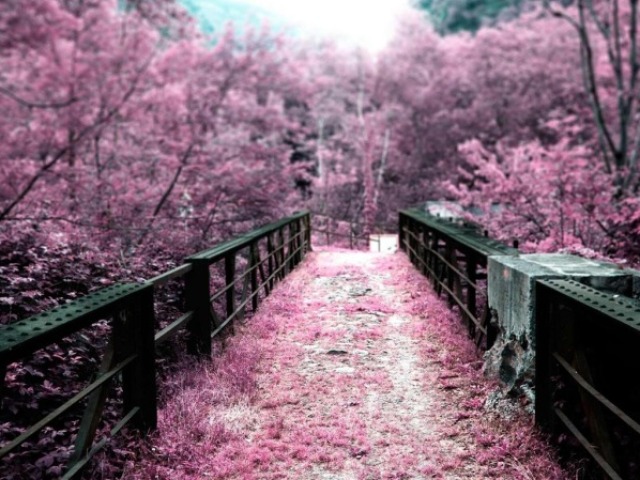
(353, 369)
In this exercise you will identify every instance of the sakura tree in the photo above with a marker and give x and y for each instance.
(570, 122)
(551, 198)
(116, 124)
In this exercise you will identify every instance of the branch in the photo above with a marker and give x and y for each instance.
(166, 194)
(174, 181)
(607, 231)
(633, 158)
(623, 103)
(604, 30)
(605, 139)
(83, 133)
(77, 223)
(633, 40)
(615, 56)
(588, 70)
(634, 68)
(211, 215)
(383, 163)
(562, 15)
(26, 103)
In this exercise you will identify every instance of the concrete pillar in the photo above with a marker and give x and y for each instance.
(511, 281)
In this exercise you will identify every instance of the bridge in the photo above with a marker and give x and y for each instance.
(357, 364)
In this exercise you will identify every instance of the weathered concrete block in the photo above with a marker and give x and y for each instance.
(443, 208)
(385, 242)
(511, 282)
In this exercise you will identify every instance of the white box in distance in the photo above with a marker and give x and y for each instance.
(384, 242)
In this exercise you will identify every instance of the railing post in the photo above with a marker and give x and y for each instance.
(229, 276)
(301, 239)
(253, 264)
(449, 256)
(409, 240)
(401, 225)
(263, 277)
(471, 270)
(198, 300)
(139, 379)
(281, 254)
(544, 416)
(292, 247)
(95, 403)
(431, 260)
(423, 251)
(272, 260)
(293, 244)
(439, 265)
(308, 232)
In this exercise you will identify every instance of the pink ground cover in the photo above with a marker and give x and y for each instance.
(352, 369)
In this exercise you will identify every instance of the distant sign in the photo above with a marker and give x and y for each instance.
(443, 209)
(384, 242)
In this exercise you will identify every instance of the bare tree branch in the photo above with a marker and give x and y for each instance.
(81, 135)
(29, 104)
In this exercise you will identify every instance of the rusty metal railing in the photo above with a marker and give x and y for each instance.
(587, 360)
(587, 367)
(453, 255)
(333, 231)
(267, 255)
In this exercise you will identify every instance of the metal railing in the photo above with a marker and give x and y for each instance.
(453, 255)
(587, 367)
(268, 254)
(586, 342)
(328, 229)
(130, 353)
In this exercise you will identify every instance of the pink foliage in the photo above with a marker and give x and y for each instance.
(550, 197)
(135, 141)
(323, 389)
(130, 141)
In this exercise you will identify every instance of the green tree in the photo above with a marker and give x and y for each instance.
(450, 16)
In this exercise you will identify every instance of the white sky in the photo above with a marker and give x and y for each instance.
(367, 23)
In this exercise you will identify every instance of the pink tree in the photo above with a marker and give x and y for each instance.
(64, 94)
(607, 40)
(116, 131)
(551, 198)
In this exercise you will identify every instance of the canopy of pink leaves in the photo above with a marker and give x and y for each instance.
(125, 128)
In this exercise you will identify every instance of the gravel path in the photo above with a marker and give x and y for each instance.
(362, 374)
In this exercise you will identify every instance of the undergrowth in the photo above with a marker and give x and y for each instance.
(309, 388)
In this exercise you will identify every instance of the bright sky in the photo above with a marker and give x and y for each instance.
(367, 23)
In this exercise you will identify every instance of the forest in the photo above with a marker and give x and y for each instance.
(129, 136)
(130, 139)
